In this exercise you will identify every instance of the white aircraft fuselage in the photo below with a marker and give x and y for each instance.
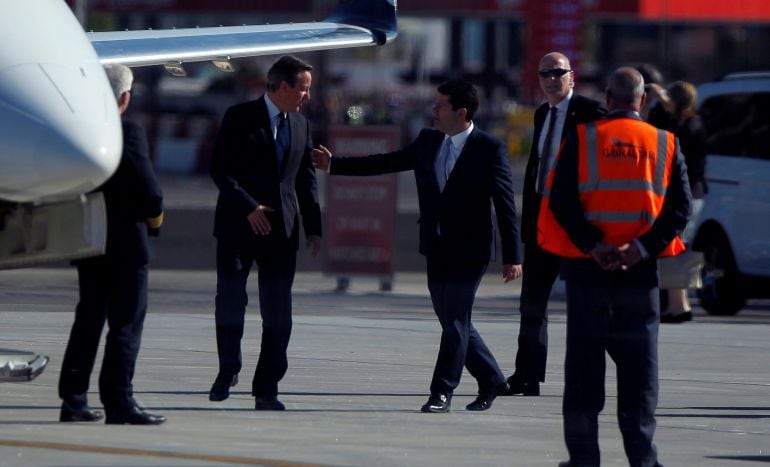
(60, 132)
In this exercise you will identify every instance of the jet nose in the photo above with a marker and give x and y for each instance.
(61, 126)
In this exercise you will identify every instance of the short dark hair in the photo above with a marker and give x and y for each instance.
(462, 95)
(286, 68)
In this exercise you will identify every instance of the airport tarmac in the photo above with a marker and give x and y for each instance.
(359, 370)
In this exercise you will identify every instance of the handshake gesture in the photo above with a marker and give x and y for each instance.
(613, 258)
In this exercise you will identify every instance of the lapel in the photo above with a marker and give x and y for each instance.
(432, 150)
(262, 133)
(461, 159)
(540, 115)
(571, 119)
(542, 112)
(294, 133)
(259, 124)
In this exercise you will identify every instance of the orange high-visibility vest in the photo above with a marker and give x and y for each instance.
(624, 168)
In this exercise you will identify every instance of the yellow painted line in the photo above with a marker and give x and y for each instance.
(149, 453)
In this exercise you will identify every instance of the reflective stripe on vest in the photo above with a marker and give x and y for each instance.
(621, 184)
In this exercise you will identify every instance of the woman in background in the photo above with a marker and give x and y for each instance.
(679, 102)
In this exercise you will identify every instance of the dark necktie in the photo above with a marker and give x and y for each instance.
(281, 138)
(545, 155)
(443, 163)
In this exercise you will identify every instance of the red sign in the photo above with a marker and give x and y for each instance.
(361, 211)
(687, 10)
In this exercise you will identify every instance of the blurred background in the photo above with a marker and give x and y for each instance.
(496, 44)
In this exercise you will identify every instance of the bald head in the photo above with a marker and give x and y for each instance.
(625, 89)
(554, 60)
(556, 77)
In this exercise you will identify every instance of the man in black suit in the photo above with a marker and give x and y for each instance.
(263, 169)
(553, 120)
(609, 264)
(460, 172)
(113, 287)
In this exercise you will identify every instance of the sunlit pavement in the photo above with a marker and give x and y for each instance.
(359, 369)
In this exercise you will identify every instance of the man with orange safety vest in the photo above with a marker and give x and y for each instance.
(617, 198)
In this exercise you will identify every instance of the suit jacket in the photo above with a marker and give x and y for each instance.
(580, 110)
(481, 177)
(131, 195)
(566, 207)
(246, 171)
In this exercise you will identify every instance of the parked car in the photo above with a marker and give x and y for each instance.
(733, 228)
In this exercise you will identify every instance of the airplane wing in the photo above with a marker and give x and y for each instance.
(354, 23)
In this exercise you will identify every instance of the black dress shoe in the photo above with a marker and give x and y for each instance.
(437, 403)
(676, 318)
(268, 403)
(220, 390)
(517, 385)
(481, 403)
(484, 399)
(84, 414)
(134, 416)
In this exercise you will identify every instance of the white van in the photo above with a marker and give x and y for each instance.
(733, 228)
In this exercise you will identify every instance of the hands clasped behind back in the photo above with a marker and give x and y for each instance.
(612, 258)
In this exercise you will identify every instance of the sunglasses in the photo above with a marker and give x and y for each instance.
(553, 73)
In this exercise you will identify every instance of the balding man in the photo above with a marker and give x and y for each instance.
(617, 199)
(553, 120)
(113, 287)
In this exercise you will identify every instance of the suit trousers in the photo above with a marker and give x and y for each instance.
(541, 269)
(276, 263)
(452, 287)
(623, 321)
(114, 292)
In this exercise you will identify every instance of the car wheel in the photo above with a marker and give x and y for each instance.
(720, 294)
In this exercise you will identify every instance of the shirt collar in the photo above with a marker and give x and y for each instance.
(620, 113)
(272, 109)
(564, 103)
(458, 140)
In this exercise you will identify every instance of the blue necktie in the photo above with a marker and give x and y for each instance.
(545, 156)
(444, 163)
(281, 138)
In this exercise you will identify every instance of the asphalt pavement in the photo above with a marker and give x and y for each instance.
(359, 369)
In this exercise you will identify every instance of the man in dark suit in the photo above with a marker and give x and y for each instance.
(460, 172)
(263, 169)
(553, 120)
(113, 287)
(609, 264)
